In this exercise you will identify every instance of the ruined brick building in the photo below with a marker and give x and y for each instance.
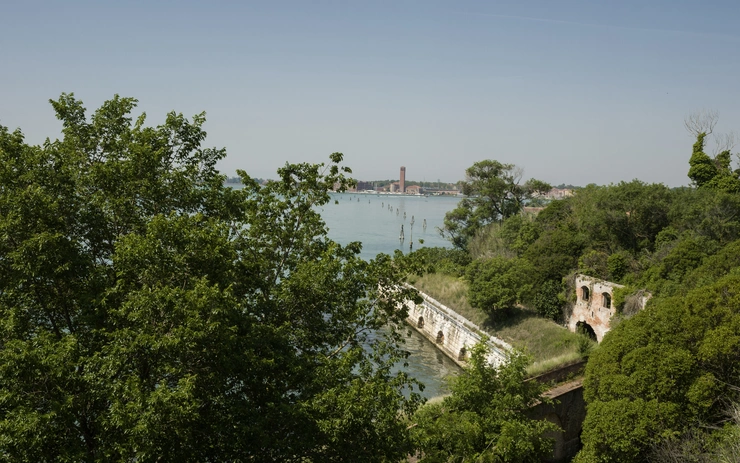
(594, 306)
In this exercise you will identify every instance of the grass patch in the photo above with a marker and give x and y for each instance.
(450, 291)
(543, 366)
(549, 344)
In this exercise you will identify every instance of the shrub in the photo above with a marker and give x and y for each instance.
(548, 300)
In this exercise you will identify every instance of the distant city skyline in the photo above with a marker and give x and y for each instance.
(573, 92)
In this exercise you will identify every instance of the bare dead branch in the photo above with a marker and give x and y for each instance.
(725, 142)
(702, 121)
(516, 174)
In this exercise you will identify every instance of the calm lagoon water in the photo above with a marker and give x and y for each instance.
(375, 221)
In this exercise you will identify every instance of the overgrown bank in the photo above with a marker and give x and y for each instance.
(665, 376)
(549, 344)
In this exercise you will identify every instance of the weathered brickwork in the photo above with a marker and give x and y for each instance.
(567, 410)
(594, 308)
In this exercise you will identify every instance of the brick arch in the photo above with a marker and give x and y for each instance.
(585, 328)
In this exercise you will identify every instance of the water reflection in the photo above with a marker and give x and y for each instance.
(375, 221)
(428, 365)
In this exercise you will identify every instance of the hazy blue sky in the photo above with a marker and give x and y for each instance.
(572, 91)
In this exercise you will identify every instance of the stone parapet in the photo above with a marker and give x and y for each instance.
(453, 334)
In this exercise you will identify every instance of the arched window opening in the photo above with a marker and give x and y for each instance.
(420, 323)
(585, 293)
(440, 337)
(607, 300)
(462, 354)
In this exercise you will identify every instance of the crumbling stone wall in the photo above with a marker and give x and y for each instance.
(594, 306)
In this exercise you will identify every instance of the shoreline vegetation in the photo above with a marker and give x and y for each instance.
(150, 313)
(549, 344)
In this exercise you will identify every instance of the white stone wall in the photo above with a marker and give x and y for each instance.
(458, 332)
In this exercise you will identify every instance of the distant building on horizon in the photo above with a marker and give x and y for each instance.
(413, 189)
(364, 186)
(558, 193)
(402, 182)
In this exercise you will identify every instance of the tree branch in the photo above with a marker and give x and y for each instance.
(702, 121)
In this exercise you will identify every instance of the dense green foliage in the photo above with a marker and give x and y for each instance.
(442, 260)
(548, 300)
(703, 445)
(484, 419)
(148, 313)
(713, 173)
(493, 193)
(509, 238)
(662, 371)
(498, 283)
(646, 236)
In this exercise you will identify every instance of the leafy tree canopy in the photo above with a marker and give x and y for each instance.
(494, 192)
(663, 371)
(666, 370)
(509, 238)
(498, 283)
(442, 260)
(484, 419)
(149, 313)
(548, 300)
(712, 173)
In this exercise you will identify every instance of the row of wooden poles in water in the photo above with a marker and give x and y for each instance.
(401, 237)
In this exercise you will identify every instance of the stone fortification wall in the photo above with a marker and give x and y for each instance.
(453, 334)
(567, 410)
(458, 334)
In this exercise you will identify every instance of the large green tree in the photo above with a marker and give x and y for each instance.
(667, 369)
(148, 313)
(712, 173)
(485, 417)
(498, 283)
(494, 191)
